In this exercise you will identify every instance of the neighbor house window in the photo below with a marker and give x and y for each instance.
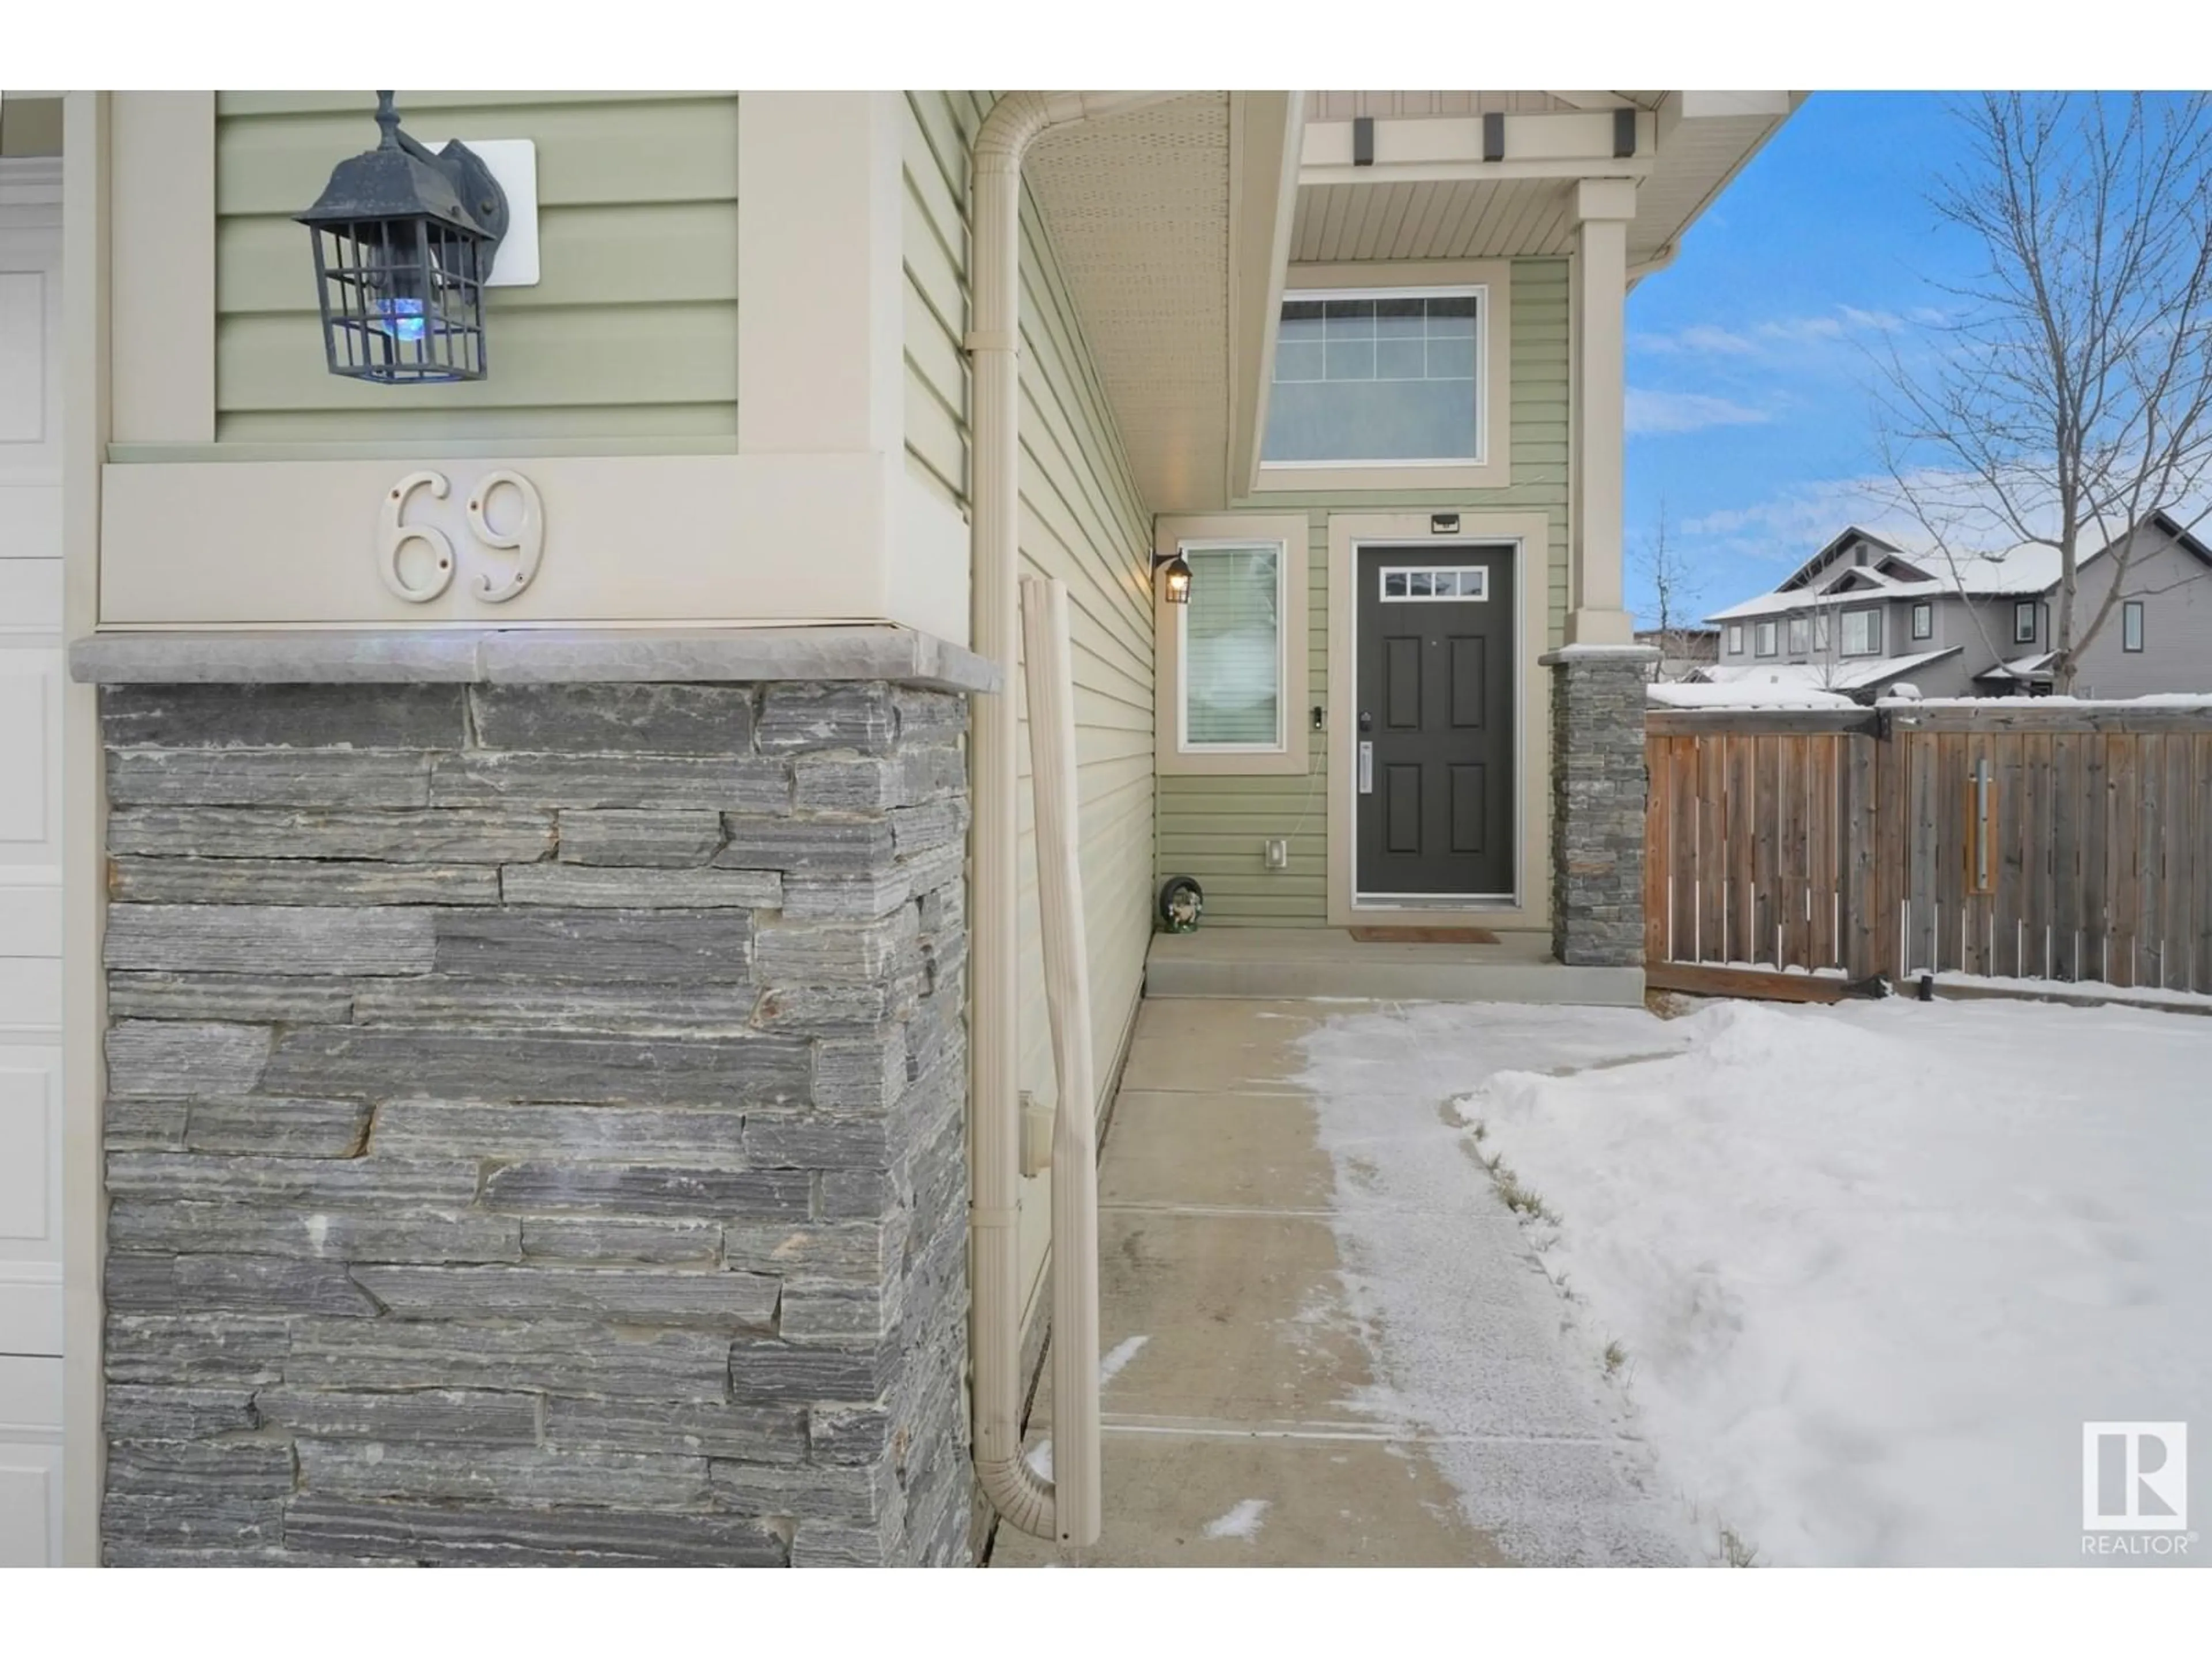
(1862, 633)
(1798, 632)
(1820, 631)
(1378, 378)
(2023, 623)
(1923, 620)
(1766, 639)
(2131, 625)
(1736, 639)
(1232, 674)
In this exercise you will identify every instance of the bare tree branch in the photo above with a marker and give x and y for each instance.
(2071, 396)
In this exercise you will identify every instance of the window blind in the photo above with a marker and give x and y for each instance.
(1232, 667)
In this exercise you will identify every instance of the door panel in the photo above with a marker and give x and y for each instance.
(1468, 672)
(1434, 684)
(1402, 696)
(30, 1462)
(1402, 814)
(1470, 812)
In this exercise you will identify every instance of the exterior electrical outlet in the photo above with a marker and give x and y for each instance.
(1278, 854)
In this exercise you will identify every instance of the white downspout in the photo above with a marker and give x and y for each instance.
(1017, 1492)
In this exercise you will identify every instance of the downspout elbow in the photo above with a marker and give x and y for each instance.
(1018, 1492)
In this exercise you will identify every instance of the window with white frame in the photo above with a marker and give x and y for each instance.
(2023, 623)
(1924, 619)
(1799, 633)
(1736, 639)
(1820, 630)
(2131, 625)
(1862, 633)
(1389, 377)
(1408, 584)
(1766, 636)
(1230, 672)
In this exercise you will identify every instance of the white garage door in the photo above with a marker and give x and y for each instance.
(30, 863)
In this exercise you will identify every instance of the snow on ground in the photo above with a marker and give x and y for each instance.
(1118, 1356)
(1462, 1326)
(1110, 1365)
(1873, 1266)
(1240, 1521)
(1741, 694)
(2080, 990)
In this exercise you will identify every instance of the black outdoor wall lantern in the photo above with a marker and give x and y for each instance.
(404, 243)
(1178, 569)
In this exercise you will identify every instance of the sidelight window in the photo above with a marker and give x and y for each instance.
(1231, 666)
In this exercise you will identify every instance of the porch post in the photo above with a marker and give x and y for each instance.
(1597, 680)
(1598, 785)
(1596, 615)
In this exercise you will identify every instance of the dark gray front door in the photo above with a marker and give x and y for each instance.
(1434, 811)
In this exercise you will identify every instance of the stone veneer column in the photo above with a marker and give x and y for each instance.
(534, 1121)
(1597, 804)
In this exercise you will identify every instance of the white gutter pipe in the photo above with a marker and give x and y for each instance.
(1017, 1492)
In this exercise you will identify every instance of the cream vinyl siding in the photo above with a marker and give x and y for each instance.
(1082, 522)
(631, 334)
(1211, 827)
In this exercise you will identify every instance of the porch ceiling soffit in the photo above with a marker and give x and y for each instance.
(1428, 194)
(1344, 105)
(1138, 207)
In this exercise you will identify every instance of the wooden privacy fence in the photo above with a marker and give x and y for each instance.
(2014, 839)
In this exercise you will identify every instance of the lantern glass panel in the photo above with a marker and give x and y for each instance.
(402, 299)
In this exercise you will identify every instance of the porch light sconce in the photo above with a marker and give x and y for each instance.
(1177, 570)
(403, 244)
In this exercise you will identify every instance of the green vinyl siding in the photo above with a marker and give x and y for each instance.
(1083, 522)
(1213, 827)
(631, 333)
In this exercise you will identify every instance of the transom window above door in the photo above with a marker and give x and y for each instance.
(1378, 378)
(1402, 584)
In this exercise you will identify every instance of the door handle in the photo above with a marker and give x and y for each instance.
(1366, 768)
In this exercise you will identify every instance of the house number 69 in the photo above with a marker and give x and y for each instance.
(527, 540)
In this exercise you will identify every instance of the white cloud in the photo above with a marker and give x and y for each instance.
(1802, 329)
(1793, 523)
(1699, 337)
(1712, 339)
(1885, 322)
(1654, 413)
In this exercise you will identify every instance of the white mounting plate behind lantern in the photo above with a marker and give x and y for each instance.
(513, 163)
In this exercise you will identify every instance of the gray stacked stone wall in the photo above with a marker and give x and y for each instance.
(1598, 787)
(534, 1124)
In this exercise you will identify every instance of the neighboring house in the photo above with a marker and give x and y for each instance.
(515, 941)
(1682, 651)
(1862, 616)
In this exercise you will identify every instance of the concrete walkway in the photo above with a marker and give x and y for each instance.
(1327, 1342)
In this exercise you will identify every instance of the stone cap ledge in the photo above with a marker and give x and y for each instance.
(1568, 654)
(526, 656)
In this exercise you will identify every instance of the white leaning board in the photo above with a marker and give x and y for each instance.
(30, 882)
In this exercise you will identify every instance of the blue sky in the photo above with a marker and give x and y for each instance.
(1748, 378)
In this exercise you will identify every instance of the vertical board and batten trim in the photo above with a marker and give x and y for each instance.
(631, 334)
(1211, 827)
(1082, 519)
